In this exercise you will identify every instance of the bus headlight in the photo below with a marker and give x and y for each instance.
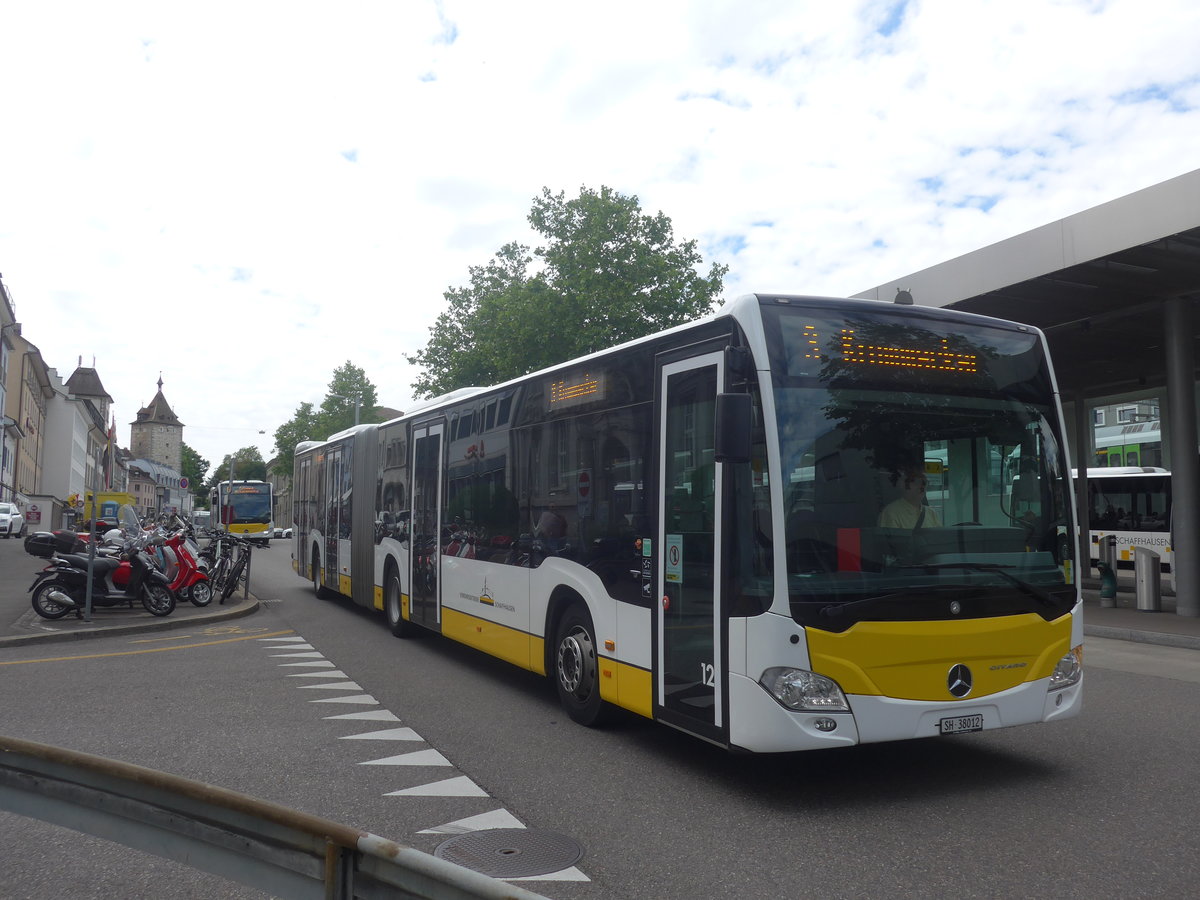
(800, 689)
(1068, 671)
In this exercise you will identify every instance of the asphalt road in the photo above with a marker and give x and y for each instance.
(1101, 806)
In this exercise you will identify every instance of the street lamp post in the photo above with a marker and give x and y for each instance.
(357, 398)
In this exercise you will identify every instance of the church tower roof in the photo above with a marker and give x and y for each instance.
(157, 411)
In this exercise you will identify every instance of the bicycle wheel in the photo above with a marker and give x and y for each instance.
(231, 579)
(219, 573)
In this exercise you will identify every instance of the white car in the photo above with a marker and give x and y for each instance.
(283, 532)
(11, 520)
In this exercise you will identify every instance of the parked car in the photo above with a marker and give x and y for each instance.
(11, 520)
(283, 532)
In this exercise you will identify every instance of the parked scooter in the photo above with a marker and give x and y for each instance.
(189, 581)
(61, 587)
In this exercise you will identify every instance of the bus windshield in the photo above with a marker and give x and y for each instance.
(923, 473)
(249, 504)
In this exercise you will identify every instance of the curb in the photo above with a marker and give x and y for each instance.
(1159, 638)
(164, 624)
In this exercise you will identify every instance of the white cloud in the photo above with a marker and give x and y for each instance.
(248, 195)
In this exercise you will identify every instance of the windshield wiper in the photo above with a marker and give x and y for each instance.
(840, 609)
(1023, 586)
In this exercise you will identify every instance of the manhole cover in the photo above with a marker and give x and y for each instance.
(511, 852)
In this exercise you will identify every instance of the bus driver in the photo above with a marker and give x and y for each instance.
(909, 510)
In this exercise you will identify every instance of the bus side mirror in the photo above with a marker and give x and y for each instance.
(734, 422)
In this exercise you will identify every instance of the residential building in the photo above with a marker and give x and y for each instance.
(28, 397)
(10, 328)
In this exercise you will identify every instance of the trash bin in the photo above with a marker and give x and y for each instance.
(1108, 551)
(1147, 575)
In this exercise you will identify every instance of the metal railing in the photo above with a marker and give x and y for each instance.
(259, 844)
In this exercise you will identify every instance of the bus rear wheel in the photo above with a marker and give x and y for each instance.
(576, 668)
(319, 590)
(392, 606)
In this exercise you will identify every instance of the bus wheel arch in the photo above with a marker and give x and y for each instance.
(392, 604)
(573, 662)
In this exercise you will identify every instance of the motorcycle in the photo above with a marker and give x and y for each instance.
(61, 587)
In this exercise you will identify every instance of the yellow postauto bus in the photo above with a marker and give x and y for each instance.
(725, 527)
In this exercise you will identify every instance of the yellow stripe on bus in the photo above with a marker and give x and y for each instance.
(626, 686)
(620, 683)
(509, 644)
(911, 660)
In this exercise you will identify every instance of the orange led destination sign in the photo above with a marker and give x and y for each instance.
(941, 358)
(584, 388)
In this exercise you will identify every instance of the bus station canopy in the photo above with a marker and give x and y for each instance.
(1095, 282)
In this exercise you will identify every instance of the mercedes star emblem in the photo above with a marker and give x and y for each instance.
(959, 681)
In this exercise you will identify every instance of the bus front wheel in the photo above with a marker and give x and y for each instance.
(576, 668)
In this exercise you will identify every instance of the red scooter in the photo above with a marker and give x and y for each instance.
(187, 579)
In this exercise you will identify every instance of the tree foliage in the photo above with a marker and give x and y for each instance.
(195, 468)
(247, 463)
(336, 413)
(606, 274)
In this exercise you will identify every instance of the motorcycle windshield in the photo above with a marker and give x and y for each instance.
(129, 520)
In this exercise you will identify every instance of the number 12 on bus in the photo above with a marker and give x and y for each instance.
(797, 523)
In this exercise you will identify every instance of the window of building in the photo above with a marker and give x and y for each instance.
(1097, 417)
(1127, 414)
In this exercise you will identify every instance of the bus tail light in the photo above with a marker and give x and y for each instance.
(1068, 671)
(800, 689)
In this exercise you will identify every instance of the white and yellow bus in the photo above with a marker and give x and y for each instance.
(687, 526)
(244, 508)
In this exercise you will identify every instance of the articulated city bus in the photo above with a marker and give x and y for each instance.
(244, 508)
(689, 526)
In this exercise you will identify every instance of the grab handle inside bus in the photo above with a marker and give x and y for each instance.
(733, 424)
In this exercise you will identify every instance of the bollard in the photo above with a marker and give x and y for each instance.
(1107, 566)
(1108, 585)
(1147, 579)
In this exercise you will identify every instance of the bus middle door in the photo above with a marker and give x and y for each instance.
(426, 526)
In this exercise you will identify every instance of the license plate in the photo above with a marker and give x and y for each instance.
(961, 724)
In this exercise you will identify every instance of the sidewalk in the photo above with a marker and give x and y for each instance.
(31, 628)
(1124, 621)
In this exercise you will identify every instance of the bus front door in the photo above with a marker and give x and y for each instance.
(426, 526)
(690, 672)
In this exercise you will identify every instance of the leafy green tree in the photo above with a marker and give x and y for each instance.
(300, 427)
(350, 392)
(195, 467)
(248, 465)
(608, 273)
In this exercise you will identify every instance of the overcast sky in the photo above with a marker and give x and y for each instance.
(243, 196)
